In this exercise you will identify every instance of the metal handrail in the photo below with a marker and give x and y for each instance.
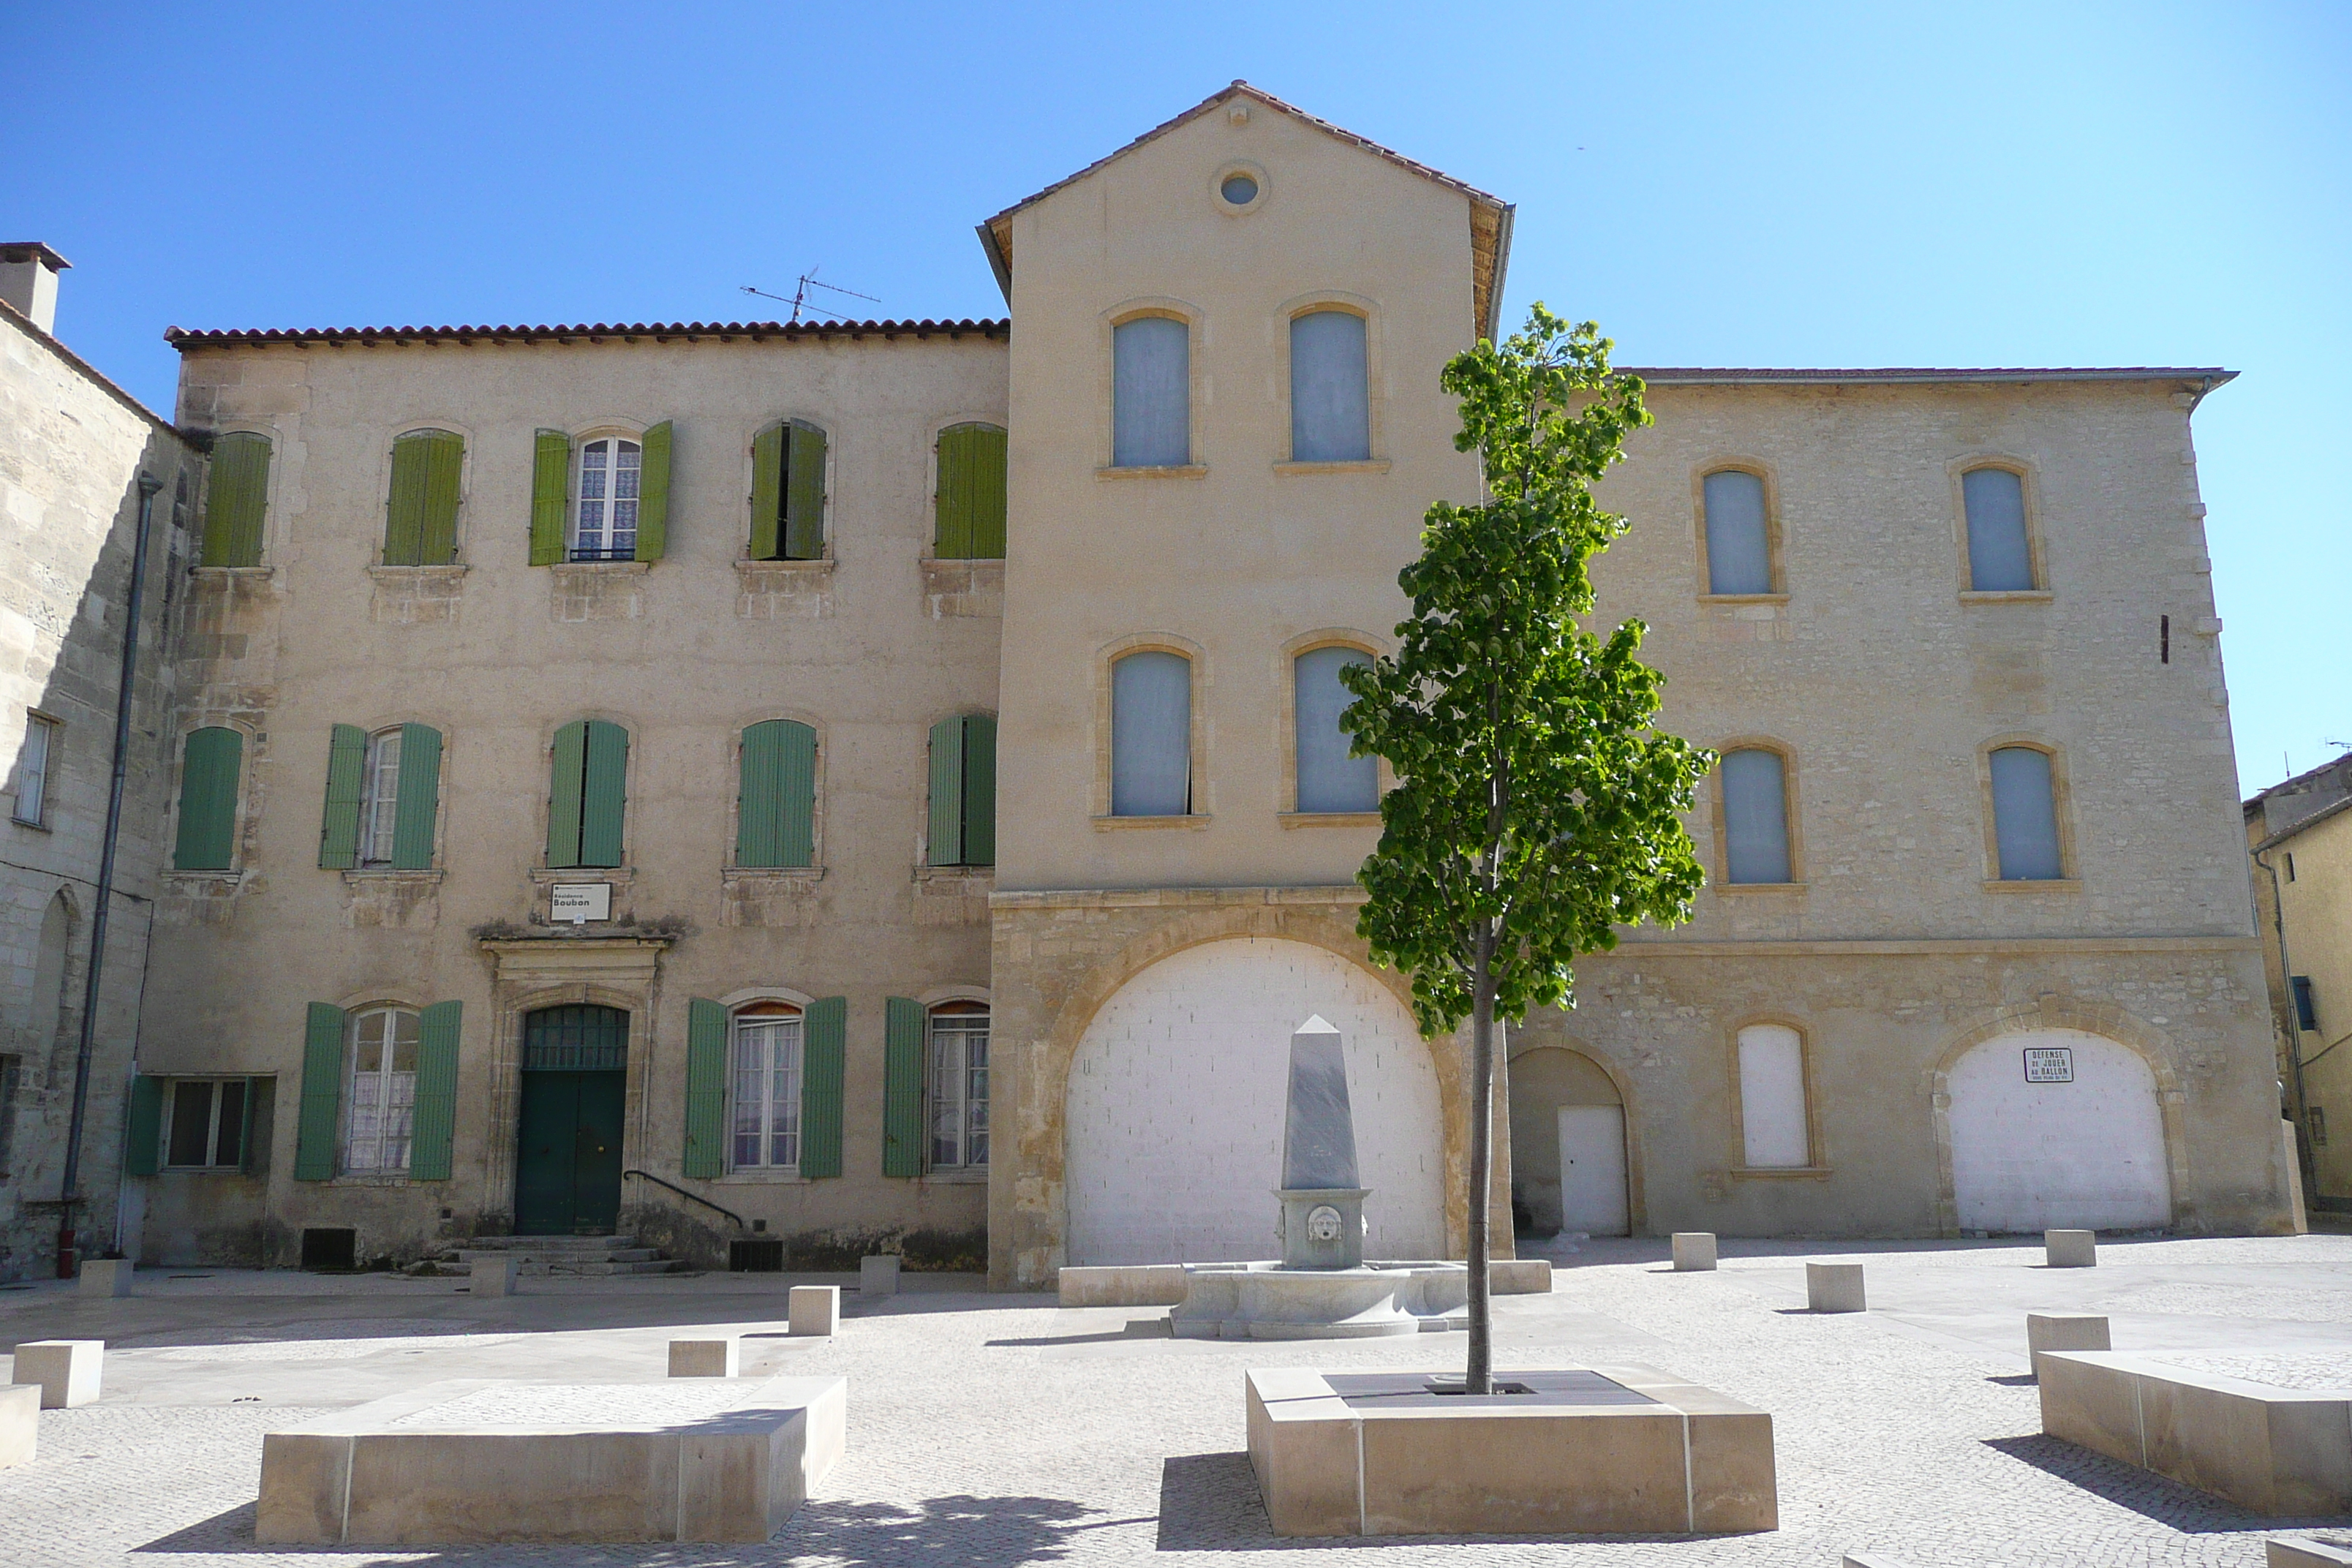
(740, 1223)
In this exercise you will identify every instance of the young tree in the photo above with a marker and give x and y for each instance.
(1534, 807)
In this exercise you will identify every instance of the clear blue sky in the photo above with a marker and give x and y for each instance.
(2037, 184)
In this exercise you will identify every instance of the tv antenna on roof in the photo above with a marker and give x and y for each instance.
(800, 301)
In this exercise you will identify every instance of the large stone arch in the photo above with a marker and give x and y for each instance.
(1549, 1068)
(2112, 1043)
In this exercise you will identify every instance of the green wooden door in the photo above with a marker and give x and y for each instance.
(568, 1139)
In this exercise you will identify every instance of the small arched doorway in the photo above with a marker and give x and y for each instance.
(1568, 1145)
(2056, 1128)
(568, 1139)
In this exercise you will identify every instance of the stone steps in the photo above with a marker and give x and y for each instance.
(579, 1255)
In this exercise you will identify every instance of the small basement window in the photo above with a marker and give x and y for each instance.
(207, 1123)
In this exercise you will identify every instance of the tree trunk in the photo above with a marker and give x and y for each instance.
(1478, 1375)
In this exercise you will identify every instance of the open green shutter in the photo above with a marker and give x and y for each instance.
(445, 461)
(142, 1130)
(902, 1088)
(404, 523)
(759, 803)
(979, 488)
(825, 1039)
(339, 832)
(236, 496)
(247, 1163)
(322, 1094)
(563, 778)
(604, 785)
(951, 505)
(804, 494)
(947, 793)
(706, 1090)
(550, 474)
(420, 798)
(652, 493)
(795, 794)
(767, 491)
(435, 1123)
(979, 789)
(208, 775)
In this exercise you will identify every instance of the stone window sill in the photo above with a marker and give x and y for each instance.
(1328, 818)
(548, 875)
(205, 879)
(372, 1179)
(2006, 597)
(384, 876)
(1163, 472)
(984, 875)
(775, 879)
(450, 573)
(592, 569)
(203, 573)
(760, 1178)
(786, 571)
(967, 1176)
(1780, 1172)
(1124, 824)
(36, 827)
(1759, 886)
(1354, 466)
(1743, 598)
(2034, 885)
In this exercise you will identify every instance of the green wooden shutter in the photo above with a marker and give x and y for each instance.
(246, 1164)
(404, 524)
(208, 775)
(420, 798)
(706, 1090)
(604, 787)
(979, 789)
(339, 833)
(796, 795)
(550, 479)
(902, 1088)
(804, 494)
(445, 461)
(823, 1047)
(142, 1130)
(652, 493)
(236, 497)
(951, 505)
(564, 777)
(435, 1123)
(947, 793)
(970, 501)
(322, 1094)
(767, 491)
(759, 796)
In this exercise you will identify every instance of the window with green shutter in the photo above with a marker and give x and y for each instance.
(384, 797)
(211, 760)
(587, 795)
(788, 493)
(421, 513)
(550, 478)
(902, 1087)
(236, 499)
(775, 806)
(142, 1128)
(322, 1093)
(969, 502)
(706, 1090)
(433, 1113)
(823, 1068)
(963, 790)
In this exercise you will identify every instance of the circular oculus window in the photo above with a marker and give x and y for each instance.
(1239, 187)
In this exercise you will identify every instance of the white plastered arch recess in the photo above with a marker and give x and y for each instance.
(2087, 1154)
(1175, 1107)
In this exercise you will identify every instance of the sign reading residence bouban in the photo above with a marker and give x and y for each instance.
(2043, 1064)
(580, 903)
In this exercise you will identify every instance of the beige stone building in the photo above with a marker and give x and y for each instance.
(879, 784)
(2299, 834)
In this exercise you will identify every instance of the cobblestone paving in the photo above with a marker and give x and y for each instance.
(990, 1431)
(2308, 1370)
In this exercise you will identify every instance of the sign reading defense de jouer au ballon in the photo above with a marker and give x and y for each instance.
(2049, 1064)
(577, 903)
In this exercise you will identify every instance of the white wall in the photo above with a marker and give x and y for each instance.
(2027, 1156)
(1176, 1108)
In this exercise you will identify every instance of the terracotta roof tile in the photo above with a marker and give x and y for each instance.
(185, 340)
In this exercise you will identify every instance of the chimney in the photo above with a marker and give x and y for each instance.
(28, 281)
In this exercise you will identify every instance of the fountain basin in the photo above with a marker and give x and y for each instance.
(1270, 1302)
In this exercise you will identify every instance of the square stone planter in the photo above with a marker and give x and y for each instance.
(1600, 1449)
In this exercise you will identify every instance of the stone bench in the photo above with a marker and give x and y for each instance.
(68, 1370)
(20, 1423)
(2070, 1248)
(1834, 1288)
(473, 1461)
(2304, 1555)
(2063, 1332)
(814, 1310)
(105, 1277)
(705, 1358)
(1694, 1251)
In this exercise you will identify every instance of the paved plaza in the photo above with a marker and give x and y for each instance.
(990, 1430)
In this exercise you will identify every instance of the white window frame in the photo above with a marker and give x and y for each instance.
(379, 798)
(393, 1093)
(33, 774)
(947, 1085)
(212, 1160)
(608, 501)
(779, 1090)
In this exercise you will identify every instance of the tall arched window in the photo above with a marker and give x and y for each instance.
(1331, 393)
(1775, 1126)
(381, 1090)
(1329, 778)
(604, 514)
(1755, 816)
(959, 1086)
(1738, 533)
(1151, 735)
(764, 1097)
(2025, 816)
(2000, 554)
(1151, 393)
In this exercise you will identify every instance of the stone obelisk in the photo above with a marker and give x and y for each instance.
(1322, 1206)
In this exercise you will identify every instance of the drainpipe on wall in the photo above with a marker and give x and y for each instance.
(68, 1187)
(2293, 1031)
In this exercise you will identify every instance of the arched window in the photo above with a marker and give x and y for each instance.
(421, 515)
(2025, 816)
(1330, 392)
(763, 1112)
(1755, 816)
(1738, 533)
(1775, 1126)
(587, 794)
(211, 760)
(236, 499)
(968, 507)
(958, 1082)
(1151, 735)
(1329, 778)
(383, 795)
(604, 512)
(1151, 393)
(788, 493)
(2001, 556)
(775, 802)
(380, 1091)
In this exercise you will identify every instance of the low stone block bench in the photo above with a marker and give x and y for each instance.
(1611, 1449)
(2064, 1331)
(20, 1423)
(2306, 1555)
(1694, 1251)
(105, 1277)
(705, 1358)
(2271, 1431)
(813, 1309)
(1834, 1288)
(68, 1370)
(473, 1460)
(877, 1276)
(2070, 1248)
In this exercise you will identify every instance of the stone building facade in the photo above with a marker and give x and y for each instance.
(2299, 834)
(945, 766)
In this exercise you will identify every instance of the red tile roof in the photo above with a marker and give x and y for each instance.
(185, 339)
(1701, 376)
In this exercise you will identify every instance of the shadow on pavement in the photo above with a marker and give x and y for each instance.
(2144, 1492)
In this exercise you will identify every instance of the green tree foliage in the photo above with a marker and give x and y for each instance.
(1536, 808)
